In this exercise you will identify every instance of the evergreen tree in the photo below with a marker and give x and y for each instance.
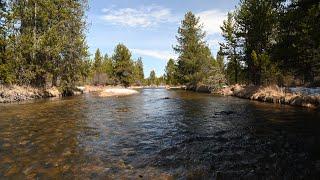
(48, 41)
(152, 78)
(6, 64)
(138, 72)
(98, 67)
(171, 72)
(229, 48)
(220, 60)
(194, 61)
(298, 43)
(108, 69)
(257, 20)
(122, 65)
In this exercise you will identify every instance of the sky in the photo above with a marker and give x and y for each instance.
(149, 27)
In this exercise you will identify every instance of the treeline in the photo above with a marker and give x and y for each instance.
(119, 69)
(268, 42)
(42, 43)
(265, 42)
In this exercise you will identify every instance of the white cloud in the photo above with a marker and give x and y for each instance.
(212, 20)
(145, 16)
(163, 55)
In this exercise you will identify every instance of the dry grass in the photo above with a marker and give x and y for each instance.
(271, 94)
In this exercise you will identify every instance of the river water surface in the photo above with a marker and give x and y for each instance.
(158, 134)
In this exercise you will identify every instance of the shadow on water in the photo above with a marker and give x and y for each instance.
(158, 134)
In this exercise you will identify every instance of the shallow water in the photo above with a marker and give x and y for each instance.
(158, 134)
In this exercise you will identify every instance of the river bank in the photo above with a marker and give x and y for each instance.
(14, 93)
(274, 94)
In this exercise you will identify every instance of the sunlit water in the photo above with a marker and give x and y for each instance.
(157, 134)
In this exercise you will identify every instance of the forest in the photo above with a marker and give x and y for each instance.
(43, 43)
(265, 42)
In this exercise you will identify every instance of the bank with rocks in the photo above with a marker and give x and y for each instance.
(274, 94)
(15, 93)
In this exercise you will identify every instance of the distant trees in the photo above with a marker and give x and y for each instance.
(195, 62)
(108, 69)
(152, 78)
(98, 68)
(138, 77)
(120, 69)
(171, 72)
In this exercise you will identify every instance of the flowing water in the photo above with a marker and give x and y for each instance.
(158, 134)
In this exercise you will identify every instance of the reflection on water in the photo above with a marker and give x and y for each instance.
(157, 134)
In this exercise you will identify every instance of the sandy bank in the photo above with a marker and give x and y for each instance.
(272, 94)
(117, 92)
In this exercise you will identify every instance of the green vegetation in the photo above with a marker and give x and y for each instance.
(195, 64)
(265, 42)
(171, 73)
(120, 69)
(273, 42)
(42, 42)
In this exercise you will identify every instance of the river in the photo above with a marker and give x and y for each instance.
(157, 134)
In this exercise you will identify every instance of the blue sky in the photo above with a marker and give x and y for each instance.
(148, 27)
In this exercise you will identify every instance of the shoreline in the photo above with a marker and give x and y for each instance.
(15, 93)
(269, 94)
(272, 94)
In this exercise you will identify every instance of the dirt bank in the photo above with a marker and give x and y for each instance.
(272, 94)
(16, 93)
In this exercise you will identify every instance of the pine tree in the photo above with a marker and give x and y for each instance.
(98, 67)
(108, 69)
(171, 72)
(256, 20)
(152, 78)
(50, 41)
(220, 60)
(6, 64)
(298, 43)
(194, 61)
(230, 47)
(138, 72)
(123, 65)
